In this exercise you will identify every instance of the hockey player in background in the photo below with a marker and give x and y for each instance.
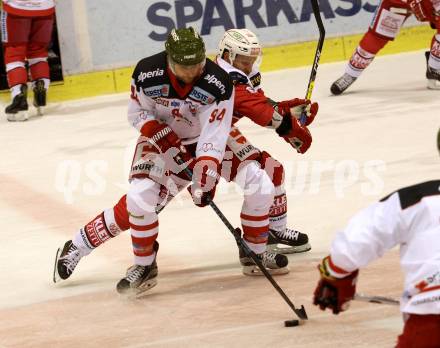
(409, 217)
(26, 34)
(388, 19)
(242, 159)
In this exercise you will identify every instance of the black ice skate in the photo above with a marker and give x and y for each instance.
(66, 260)
(432, 75)
(18, 109)
(274, 263)
(288, 242)
(341, 84)
(139, 278)
(39, 96)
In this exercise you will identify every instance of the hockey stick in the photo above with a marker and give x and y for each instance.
(236, 232)
(376, 299)
(317, 14)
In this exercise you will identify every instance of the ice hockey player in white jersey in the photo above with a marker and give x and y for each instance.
(180, 102)
(409, 217)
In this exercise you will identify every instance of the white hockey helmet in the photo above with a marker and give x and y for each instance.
(239, 41)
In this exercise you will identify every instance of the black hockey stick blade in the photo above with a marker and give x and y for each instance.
(376, 299)
(314, 71)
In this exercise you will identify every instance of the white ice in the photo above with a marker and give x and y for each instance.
(60, 170)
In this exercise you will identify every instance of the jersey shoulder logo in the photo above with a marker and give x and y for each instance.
(157, 91)
(215, 81)
(201, 96)
(149, 74)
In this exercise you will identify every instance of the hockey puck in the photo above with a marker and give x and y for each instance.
(289, 323)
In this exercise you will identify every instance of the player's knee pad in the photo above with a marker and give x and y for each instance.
(15, 53)
(257, 186)
(273, 168)
(386, 24)
(142, 197)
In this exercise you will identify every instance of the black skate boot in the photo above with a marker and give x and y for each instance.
(288, 242)
(66, 260)
(274, 263)
(341, 84)
(432, 75)
(39, 96)
(139, 278)
(18, 109)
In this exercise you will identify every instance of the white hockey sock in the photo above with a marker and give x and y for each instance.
(358, 62)
(434, 57)
(278, 210)
(256, 248)
(15, 90)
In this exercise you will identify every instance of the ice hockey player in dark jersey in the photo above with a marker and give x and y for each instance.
(263, 218)
(180, 101)
(410, 218)
(388, 19)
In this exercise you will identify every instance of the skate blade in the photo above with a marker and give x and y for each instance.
(139, 292)
(284, 249)
(20, 116)
(433, 84)
(255, 271)
(56, 277)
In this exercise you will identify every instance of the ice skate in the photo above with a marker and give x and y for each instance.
(66, 259)
(139, 279)
(18, 109)
(341, 84)
(39, 96)
(274, 263)
(432, 75)
(288, 241)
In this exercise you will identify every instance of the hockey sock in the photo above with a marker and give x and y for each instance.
(359, 61)
(96, 232)
(278, 210)
(255, 231)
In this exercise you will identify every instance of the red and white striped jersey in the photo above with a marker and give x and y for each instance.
(29, 8)
(409, 217)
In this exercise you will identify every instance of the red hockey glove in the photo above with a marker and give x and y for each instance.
(418, 10)
(334, 293)
(296, 135)
(204, 181)
(295, 107)
(161, 136)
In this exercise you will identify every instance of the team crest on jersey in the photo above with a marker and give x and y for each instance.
(157, 91)
(202, 96)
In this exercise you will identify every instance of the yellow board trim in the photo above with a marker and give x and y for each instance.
(274, 58)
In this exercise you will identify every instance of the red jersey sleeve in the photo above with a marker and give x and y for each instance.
(253, 105)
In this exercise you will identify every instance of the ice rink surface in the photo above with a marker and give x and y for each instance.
(60, 170)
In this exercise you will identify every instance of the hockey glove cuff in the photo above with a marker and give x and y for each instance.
(204, 181)
(336, 288)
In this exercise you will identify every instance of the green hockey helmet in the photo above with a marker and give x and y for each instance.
(185, 46)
